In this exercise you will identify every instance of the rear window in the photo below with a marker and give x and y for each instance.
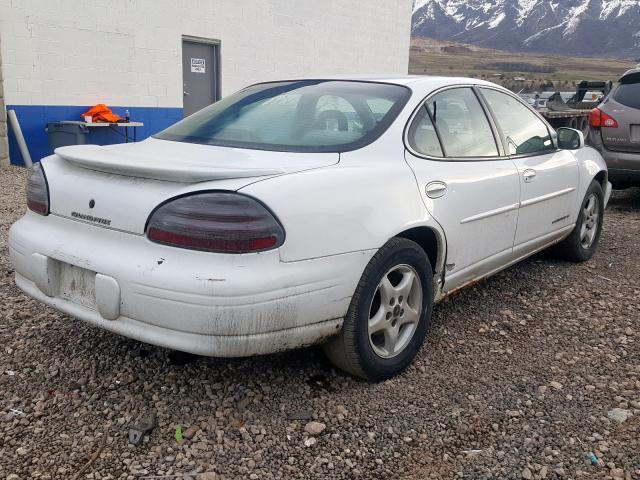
(299, 116)
(628, 91)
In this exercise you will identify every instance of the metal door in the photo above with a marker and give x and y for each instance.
(548, 199)
(474, 199)
(548, 177)
(200, 75)
(477, 206)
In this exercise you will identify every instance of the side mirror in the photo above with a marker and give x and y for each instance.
(570, 139)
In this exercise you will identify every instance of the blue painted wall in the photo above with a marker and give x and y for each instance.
(34, 118)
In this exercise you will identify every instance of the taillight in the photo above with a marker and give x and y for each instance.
(216, 222)
(37, 191)
(600, 119)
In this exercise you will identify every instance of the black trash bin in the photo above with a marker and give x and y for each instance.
(65, 133)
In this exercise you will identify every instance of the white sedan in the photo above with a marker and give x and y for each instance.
(306, 211)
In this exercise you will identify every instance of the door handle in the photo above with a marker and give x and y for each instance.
(184, 92)
(435, 189)
(529, 175)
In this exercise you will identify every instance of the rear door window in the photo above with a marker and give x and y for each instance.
(422, 135)
(462, 125)
(628, 91)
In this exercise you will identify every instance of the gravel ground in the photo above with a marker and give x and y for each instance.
(520, 377)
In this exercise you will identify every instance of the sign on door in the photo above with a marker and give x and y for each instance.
(198, 65)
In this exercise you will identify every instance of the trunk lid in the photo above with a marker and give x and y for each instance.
(118, 186)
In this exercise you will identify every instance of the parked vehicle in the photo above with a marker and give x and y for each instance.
(615, 130)
(307, 211)
(570, 109)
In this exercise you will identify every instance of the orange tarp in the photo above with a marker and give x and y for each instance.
(101, 113)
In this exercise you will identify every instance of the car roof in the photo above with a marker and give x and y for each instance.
(418, 83)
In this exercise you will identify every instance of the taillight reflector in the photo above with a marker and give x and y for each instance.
(600, 119)
(216, 222)
(212, 244)
(37, 191)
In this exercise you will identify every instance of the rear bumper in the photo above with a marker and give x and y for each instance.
(623, 176)
(198, 302)
(624, 167)
(197, 343)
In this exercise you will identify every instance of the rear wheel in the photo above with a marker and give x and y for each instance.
(582, 243)
(583, 126)
(573, 123)
(389, 313)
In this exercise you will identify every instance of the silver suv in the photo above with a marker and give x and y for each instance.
(615, 130)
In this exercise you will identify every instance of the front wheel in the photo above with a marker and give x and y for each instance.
(389, 313)
(582, 243)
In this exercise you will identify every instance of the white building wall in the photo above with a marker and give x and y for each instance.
(128, 52)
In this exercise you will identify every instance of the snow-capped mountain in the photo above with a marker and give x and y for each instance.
(572, 27)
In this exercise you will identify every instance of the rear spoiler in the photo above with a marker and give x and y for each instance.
(101, 159)
(632, 76)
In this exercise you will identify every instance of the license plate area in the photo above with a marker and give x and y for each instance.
(635, 133)
(77, 285)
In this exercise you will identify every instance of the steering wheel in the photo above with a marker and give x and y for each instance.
(323, 117)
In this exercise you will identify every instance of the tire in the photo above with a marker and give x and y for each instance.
(573, 123)
(395, 288)
(581, 244)
(583, 126)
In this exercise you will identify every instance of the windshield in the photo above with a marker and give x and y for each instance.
(299, 116)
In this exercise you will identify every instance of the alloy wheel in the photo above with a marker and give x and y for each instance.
(395, 311)
(590, 221)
